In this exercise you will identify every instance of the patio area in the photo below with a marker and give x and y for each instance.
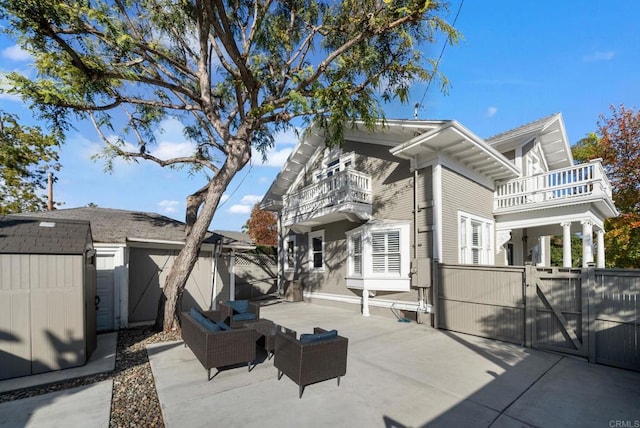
(398, 375)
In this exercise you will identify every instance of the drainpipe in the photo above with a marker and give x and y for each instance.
(215, 254)
(421, 293)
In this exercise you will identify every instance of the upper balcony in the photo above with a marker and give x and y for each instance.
(578, 184)
(346, 195)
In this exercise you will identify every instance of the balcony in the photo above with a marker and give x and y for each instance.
(579, 184)
(346, 195)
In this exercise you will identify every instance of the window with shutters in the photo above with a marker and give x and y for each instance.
(385, 252)
(378, 256)
(355, 254)
(475, 239)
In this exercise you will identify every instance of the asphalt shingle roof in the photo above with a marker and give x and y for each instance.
(27, 235)
(110, 226)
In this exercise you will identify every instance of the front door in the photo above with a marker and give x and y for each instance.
(104, 292)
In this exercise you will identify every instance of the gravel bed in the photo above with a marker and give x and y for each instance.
(134, 400)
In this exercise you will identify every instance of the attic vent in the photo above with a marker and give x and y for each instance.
(47, 224)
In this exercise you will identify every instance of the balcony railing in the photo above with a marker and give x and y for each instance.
(344, 187)
(565, 185)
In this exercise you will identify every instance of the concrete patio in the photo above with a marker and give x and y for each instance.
(398, 375)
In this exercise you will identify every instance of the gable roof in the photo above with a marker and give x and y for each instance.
(389, 134)
(454, 141)
(114, 226)
(28, 235)
(549, 130)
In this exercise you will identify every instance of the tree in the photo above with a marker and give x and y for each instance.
(234, 72)
(26, 156)
(617, 142)
(262, 227)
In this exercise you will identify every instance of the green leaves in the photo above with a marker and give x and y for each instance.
(26, 156)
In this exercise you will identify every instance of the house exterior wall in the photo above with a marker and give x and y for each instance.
(460, 194)
(42, 312)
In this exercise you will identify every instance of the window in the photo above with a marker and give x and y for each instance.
(475, 240)
(378, 256)
(316, 250)
(355, 259)
(290, 251)
(385, 252)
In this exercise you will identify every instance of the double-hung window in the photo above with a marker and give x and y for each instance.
(290, 253)
(475, 239)
(316, 250)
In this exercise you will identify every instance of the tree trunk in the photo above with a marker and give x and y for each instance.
(239, 155)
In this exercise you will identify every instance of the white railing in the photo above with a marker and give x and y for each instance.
(576, 182)
(342, 187)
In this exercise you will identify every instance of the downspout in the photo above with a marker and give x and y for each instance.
(414, 271)
(281, 255)
(217, 250)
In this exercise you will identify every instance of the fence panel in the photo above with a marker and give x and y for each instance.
(481, 300)
(255, 275)
(616, 301)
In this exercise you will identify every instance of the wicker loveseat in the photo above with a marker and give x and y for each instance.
(310, 361)
(221, 348)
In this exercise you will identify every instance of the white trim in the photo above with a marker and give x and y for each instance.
(376, 302)
(437, 215)
(487, 237)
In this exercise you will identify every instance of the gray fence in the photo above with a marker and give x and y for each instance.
(255, 275)
(594, 313)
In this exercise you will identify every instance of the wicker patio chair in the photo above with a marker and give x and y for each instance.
(219, 348)
(307, 363)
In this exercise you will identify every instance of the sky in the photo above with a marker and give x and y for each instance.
(517, 62)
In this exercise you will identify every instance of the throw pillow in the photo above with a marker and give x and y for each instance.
(318, 337)
(247, 316)
(222, 325)
(203, 321)
(239, 306)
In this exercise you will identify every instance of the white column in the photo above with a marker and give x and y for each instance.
(566, 244)
(600, 243)
(365, 302)
(587, 243)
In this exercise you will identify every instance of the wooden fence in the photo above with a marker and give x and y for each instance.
(593, 313)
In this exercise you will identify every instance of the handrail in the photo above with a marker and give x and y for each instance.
(348, 185)
(588, 179)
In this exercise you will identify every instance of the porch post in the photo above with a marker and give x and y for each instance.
(365, 302)
(600, 243)
(587, 243)
(566, 244)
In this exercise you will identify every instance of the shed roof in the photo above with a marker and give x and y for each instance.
(114, 226)
(29, 235)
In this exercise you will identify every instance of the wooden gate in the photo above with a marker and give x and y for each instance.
(557, 310)
(592, 313)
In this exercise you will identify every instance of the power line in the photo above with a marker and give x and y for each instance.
(435, 69)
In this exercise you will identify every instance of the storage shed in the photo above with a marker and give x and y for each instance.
(47, 295)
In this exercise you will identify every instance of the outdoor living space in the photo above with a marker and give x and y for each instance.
(399, 374)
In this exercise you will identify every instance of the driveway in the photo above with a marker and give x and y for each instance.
(398, 375)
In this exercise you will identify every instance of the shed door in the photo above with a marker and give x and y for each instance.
(105, 289)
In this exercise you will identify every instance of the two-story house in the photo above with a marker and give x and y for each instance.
(362, 223)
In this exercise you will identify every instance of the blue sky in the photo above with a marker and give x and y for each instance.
(518, 62)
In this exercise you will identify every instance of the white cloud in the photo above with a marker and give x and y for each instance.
(167, 150)
(491, 111)
(599, 56)
(168, 206)
(278, 154)
(224, 198)
(251, 199)
(16, 53)
(240, 209)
